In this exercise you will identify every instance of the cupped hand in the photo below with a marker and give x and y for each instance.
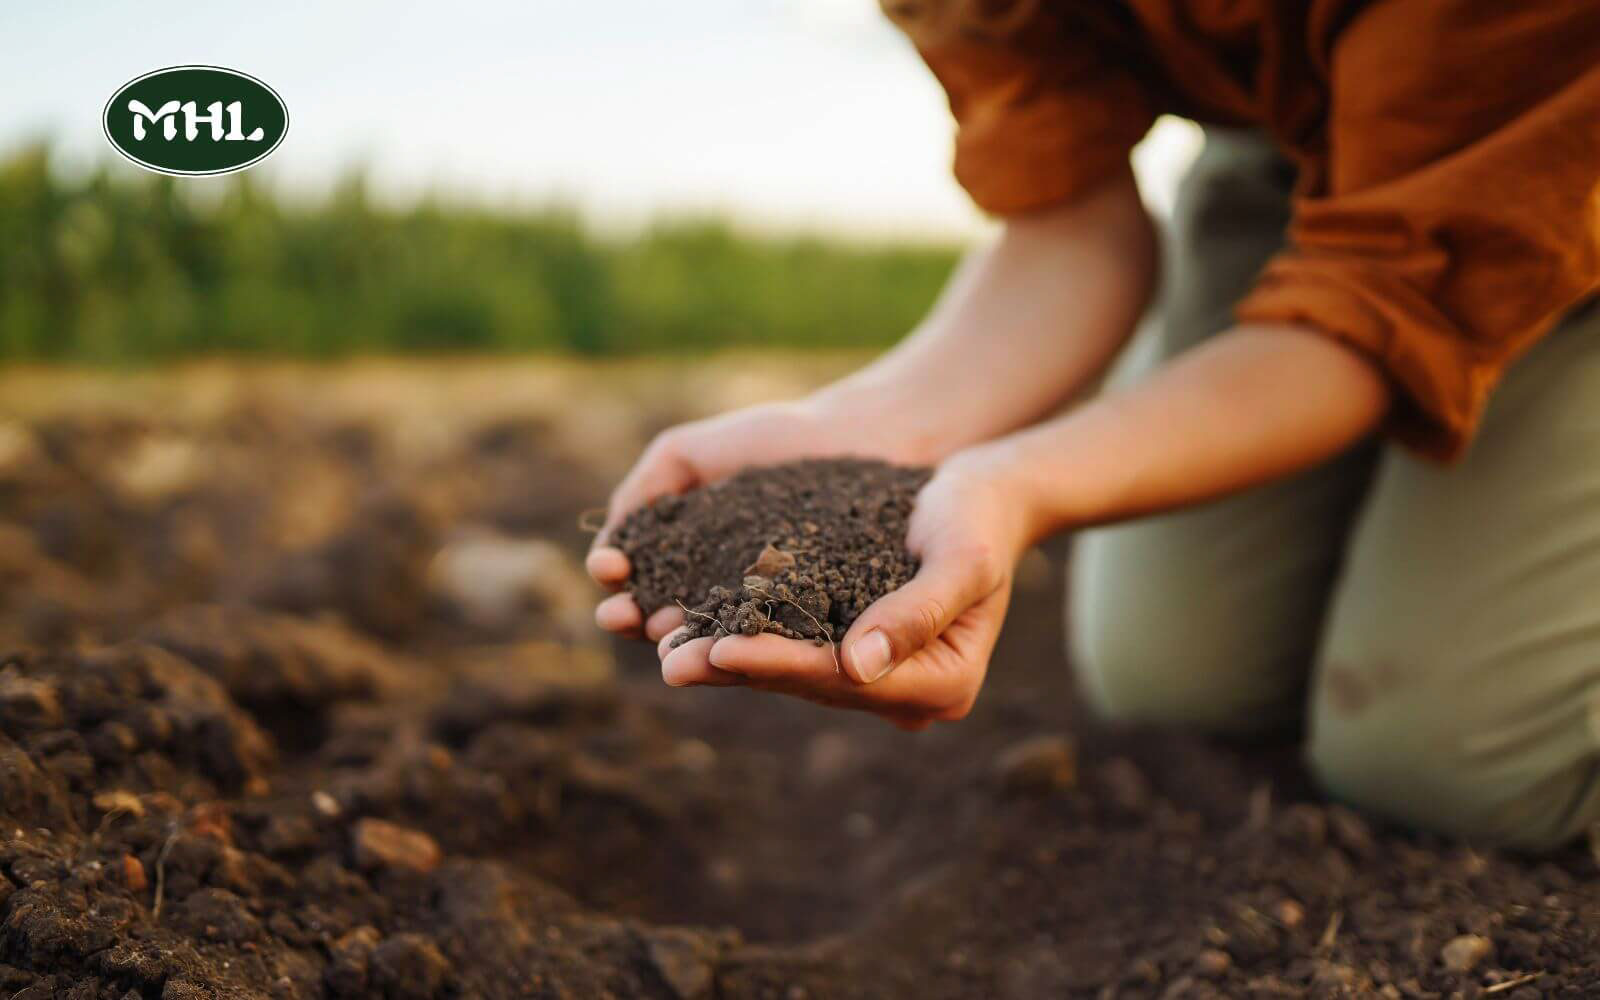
(702, 452)
(917, 655)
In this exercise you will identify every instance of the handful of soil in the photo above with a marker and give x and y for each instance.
(798, 549)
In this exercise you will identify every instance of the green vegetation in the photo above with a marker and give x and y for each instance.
(113, 268)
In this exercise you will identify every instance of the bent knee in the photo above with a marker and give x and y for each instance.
(1435, 773)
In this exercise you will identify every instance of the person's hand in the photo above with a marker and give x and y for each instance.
(917, 655)
(705, 451)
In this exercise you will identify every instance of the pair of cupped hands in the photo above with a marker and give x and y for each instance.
(917, 655)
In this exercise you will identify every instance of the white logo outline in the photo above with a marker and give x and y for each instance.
(105, 122)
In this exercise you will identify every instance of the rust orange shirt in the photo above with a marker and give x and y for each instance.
(1447, 210)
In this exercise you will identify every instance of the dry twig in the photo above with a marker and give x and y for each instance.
(161, 874)
(1331, 933)
(1511, 984)
(698, 614)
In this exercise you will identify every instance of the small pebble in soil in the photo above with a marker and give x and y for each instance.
(1212, 963)
(1351, 831)
(798, 550)
(1466, 952)
(119, 801)
(381, 844)
(683, 962)
(324, 803)
(695, 756)
(1125, 785)
(1289, 913)
(1042, 763)
(350, 956)
(408, 967)
(133, 875)
(28, 704)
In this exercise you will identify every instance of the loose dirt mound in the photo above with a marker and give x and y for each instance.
(157, 848)
(799, 549)
(417, 784)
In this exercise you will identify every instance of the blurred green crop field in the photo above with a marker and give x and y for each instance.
(113, 268)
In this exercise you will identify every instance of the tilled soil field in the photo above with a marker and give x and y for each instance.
(299, 698)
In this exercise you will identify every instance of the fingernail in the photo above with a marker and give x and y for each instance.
(872, 656)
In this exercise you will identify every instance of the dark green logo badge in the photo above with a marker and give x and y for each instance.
(195, 120)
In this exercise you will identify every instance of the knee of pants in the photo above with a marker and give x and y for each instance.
(1156, 676)
(1423, 763)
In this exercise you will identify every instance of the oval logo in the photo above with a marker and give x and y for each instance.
(195, 120)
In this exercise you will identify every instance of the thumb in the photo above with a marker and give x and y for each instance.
(901, 623)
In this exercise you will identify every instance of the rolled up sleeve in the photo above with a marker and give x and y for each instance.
(1457, 216)
(1044, 114)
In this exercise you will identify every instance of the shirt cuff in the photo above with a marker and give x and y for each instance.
(1048, 152)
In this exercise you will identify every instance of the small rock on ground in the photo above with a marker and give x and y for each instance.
(381, 844)
(1466, 952)
(1042, 763)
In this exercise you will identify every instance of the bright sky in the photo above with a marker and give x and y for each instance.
(808, 114)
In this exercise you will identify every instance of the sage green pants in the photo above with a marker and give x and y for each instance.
(1441, 623)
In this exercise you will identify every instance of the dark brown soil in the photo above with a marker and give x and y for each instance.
(212, 785)
(799, 549)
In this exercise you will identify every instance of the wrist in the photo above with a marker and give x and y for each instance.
(996, 471)
(879, 416)
(1028, 470)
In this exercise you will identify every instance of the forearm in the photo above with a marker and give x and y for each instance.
(1253, 405)
(1022, 326)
